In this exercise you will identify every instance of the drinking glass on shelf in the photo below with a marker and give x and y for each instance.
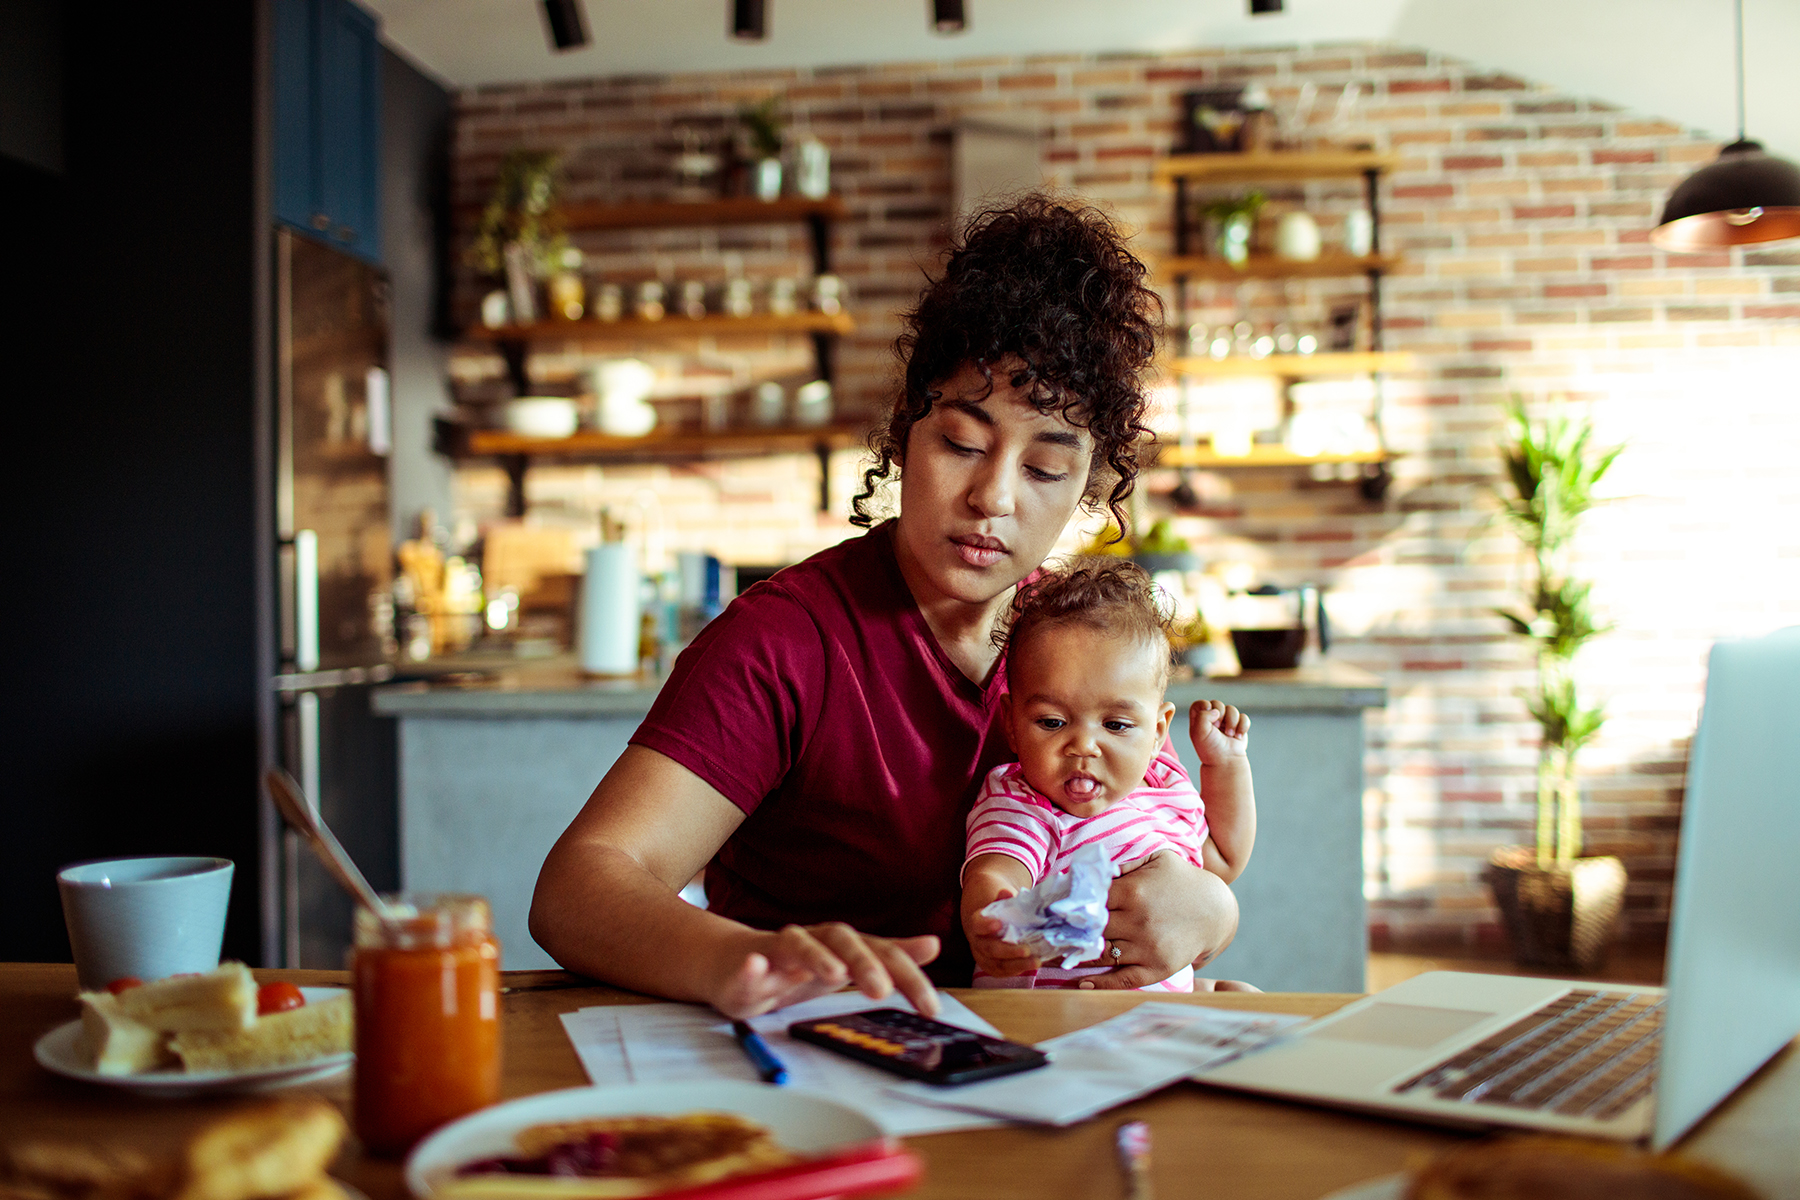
(781, 296)
(693, 299)
(738, 302)
(609, 302)
(649, 304)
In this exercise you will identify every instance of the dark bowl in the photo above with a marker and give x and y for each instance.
(1268, 649)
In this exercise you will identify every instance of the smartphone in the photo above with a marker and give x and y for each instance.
(918, 1047)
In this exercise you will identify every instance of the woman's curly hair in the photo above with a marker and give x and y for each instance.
(1112, 595)
(1052, 284)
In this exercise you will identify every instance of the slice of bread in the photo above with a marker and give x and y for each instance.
(298, 1035)
(223, 998)
(270, 1149)
(116, 1044)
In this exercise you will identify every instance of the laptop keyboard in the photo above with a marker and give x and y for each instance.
(1585, 1054)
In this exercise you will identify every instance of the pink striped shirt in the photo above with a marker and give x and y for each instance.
(1013, 818)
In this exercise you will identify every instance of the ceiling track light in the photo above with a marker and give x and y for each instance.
(566, 24)
(1742, 197)
(948, 16)
(749, 20)
(1262, 8)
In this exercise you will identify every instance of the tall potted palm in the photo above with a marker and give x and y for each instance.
(1560, 909)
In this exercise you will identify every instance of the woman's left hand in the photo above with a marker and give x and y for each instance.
(1166, 914)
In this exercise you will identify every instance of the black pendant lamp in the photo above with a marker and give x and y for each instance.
(1743, 196)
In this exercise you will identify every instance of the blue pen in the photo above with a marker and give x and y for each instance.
(767, 1065)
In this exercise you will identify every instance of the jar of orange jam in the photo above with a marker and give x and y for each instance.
(427, 1017)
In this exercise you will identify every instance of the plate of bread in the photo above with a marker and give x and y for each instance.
(193, 1034)
(726, 1138)
(264, 1149)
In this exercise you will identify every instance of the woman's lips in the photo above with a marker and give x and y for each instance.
(979, 551)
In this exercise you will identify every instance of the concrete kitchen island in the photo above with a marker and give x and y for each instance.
(493, 769)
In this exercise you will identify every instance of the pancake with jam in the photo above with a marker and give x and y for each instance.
(607, 1157)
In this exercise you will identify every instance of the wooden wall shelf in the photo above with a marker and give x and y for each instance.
(670, 328)
(1267, 266)
(516, 453)
(515, 344)
(1273, 165)
(676, 214)
(1294, 366)
(599, 447)
(1203, 457)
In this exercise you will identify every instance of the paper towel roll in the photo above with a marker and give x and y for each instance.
(609, 610)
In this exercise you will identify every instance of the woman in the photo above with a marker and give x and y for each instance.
(817, 747)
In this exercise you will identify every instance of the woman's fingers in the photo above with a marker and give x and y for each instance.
(904, 957)
(1224, 985)
(799, 963)
(757, 987)
(877, 966)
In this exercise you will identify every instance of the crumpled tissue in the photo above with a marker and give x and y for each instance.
(1063, 916)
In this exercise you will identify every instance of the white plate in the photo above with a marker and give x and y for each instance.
(803, 1122)
(60, 1051)
(1387, 1187)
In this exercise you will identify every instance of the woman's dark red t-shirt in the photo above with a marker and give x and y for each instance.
(820, 703)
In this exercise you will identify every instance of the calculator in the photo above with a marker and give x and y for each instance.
(918, 1047)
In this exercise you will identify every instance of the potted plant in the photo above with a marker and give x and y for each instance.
(520, 236)
(1234, 220)
(762, 125)
(1559, 908)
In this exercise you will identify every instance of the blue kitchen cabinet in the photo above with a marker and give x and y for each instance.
(327, 102)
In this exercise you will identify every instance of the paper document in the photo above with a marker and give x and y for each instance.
(675, 1043)
(1104, 1065)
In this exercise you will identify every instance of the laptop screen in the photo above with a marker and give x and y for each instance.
(1734, 935)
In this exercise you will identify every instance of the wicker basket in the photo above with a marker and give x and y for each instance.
(1562, 917)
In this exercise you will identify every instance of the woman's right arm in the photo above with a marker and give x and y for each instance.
(607, 905)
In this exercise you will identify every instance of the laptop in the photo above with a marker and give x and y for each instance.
(1608, 1060)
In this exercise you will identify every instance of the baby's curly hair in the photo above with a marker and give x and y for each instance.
(1112, 595)
(1053, 284)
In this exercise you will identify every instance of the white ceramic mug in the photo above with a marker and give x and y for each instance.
(144, 917)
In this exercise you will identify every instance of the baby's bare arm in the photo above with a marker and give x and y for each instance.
(987, 878)
(1221, 740)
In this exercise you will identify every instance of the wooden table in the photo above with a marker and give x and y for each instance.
(1207, 1143)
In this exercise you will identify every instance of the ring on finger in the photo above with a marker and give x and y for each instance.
(1116, 952)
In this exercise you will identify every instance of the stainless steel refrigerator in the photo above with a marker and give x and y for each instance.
(334, 581)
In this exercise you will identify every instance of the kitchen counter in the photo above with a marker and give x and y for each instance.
(553, 687)
(497, 756)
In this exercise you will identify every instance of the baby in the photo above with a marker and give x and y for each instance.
(1087, 663)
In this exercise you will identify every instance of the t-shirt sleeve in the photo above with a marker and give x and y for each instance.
(1173, 798)
(743, 698)
(1004, 823)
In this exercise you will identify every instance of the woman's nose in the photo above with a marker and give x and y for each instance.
(991, 491)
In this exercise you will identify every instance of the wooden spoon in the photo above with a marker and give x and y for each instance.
(305, 820)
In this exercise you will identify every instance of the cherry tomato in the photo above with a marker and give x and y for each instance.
(124, 983)
(277, 997)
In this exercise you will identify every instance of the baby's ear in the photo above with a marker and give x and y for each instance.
(1163, 717)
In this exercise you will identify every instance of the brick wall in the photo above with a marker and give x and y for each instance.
(1522, 213)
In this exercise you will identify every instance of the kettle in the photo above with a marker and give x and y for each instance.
(1268, 625)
